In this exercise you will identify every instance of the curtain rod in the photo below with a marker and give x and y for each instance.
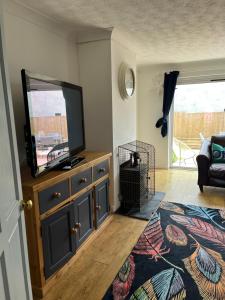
(213, 80)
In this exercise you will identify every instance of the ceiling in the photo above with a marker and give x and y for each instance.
(158, 31)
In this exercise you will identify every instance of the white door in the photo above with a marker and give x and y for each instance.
(14, 269)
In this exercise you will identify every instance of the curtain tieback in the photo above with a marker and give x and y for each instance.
(161, 122)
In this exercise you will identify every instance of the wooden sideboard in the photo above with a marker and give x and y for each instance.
(68, 208)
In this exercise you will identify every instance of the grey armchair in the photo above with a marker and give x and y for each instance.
(210, 174)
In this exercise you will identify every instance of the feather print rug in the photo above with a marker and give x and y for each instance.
(180, 255)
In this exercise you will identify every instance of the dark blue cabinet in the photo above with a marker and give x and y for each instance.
(59, 239)
(65, 230)
(102, 201)
(83, 211)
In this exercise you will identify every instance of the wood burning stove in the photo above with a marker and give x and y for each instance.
(137, 175)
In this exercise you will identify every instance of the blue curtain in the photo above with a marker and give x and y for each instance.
(170, 81)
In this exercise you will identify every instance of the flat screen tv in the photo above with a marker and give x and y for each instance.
(54, 130)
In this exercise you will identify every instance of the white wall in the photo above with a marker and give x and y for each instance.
(124, 111)
(40, 46)
(95, 78)
(110, 121)
(150, 101)
(150, 98)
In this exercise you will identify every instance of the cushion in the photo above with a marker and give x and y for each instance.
(218, 153)
(217, 171)
(218, 139)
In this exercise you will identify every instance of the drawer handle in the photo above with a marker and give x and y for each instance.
(73, 230)
(101, 170)
(98, 207)
(83, 180)
(77, 225)
(57, 195)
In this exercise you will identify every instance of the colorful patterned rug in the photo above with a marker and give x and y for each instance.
(180, 255)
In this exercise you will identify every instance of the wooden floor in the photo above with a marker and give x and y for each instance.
(101, 258)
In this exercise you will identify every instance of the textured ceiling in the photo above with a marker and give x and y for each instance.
(159, 31)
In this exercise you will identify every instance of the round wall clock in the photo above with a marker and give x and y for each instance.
(126, 81)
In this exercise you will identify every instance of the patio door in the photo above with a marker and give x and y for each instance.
(199, 113)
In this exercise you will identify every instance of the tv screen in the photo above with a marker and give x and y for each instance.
(54, 121)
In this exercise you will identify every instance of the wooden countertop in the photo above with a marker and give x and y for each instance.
(54, 176)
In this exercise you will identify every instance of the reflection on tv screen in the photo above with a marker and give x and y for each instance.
(48, 122)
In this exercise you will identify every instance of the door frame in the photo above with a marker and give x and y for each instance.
(14, 211)
(191, 77)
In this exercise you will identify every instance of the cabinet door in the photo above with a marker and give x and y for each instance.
(101, 201)
(83, 210)
(58, 235)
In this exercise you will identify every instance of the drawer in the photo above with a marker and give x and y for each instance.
(100, 170)
(80, 181)
(53, 195)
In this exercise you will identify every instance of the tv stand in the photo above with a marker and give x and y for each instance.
(69, 207)
(70, 162)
